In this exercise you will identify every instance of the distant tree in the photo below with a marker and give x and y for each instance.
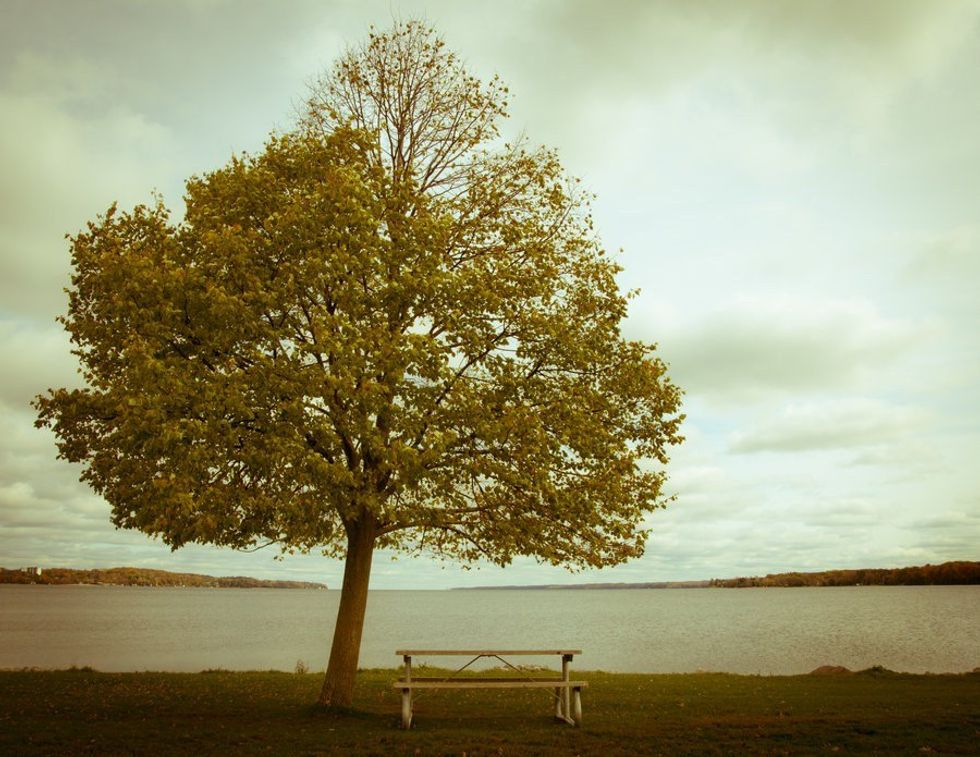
(385, 330)
(961, 572)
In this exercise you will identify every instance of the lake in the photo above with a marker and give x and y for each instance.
(768, 631)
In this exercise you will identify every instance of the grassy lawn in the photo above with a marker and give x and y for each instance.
(85, 712)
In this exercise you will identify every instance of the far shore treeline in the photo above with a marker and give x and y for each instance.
(143, 577)
(949, 573)
(959, 572)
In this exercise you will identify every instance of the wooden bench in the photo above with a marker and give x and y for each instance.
(567, 693)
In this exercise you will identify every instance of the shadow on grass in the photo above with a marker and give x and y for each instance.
(335, 714)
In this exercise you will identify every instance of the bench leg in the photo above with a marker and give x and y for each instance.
(406, 708)
(566, 704)
(558, 713)
(577, 706)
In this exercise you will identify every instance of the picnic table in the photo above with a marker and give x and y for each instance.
(567, 693)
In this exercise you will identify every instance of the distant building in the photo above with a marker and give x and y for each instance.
(32, 571)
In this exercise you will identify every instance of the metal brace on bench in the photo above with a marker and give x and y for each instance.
(566, 709)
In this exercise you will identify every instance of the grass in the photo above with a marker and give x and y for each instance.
(86, 712)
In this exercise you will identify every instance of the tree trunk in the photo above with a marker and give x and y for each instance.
(338, 686)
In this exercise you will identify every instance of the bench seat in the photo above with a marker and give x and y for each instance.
(567, 694)
(489, 683)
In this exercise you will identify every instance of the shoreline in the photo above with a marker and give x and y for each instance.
(822, 671)
(170, 586)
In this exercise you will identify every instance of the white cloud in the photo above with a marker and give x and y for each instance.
(839, 424)
(63, 165)
(758, 346)
(34, 358)
(946, 267)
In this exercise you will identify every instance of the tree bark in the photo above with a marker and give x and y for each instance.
(338, 685)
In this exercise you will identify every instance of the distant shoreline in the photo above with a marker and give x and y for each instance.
(142, 577)
(956, 573)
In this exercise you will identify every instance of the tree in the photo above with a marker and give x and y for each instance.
(385, 330)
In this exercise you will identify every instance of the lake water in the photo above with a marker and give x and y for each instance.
(768, 631)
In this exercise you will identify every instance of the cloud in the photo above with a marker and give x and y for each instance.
(755, 347)
(62, 166)
(952, 521)
(945, 266)
(34, 358)
(837, 424)
(854, 56)
(943, 548)
(848, 513)
(696, 479)
(911, 456)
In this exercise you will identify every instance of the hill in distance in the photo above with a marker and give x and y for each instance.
(143, 577)
(948, 573)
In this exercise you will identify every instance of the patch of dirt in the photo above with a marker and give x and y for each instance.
(831, 670)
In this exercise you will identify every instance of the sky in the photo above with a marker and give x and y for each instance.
(794, 188)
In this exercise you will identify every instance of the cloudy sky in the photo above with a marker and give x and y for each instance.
(795, 188)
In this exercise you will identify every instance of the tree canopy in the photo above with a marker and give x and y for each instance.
(387, 326)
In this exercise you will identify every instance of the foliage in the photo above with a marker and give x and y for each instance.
(386, 329)
(958, 572)
(146, 577)
(384, 320)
